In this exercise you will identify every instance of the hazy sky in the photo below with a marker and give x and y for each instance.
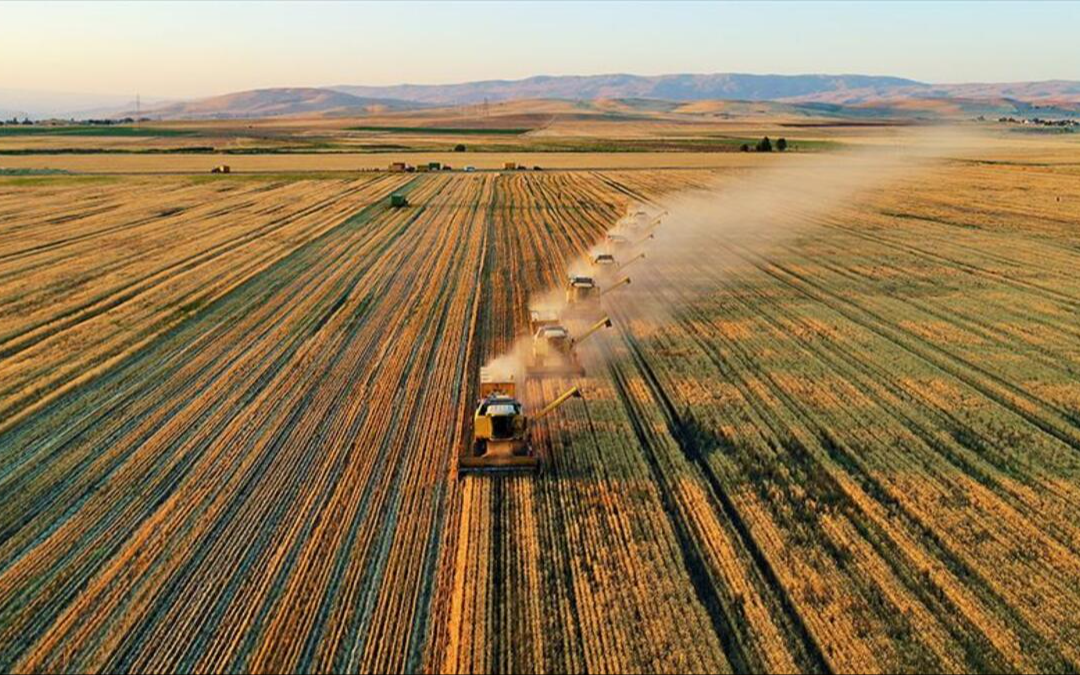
(203, 48)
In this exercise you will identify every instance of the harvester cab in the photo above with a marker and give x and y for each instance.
(640, 220)
(617, 240)
(398, 200)
(582, 296)
(552, 353)
(500, 441)
(538, 318)
(603, 260)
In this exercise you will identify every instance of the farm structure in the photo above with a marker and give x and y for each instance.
(230, 412)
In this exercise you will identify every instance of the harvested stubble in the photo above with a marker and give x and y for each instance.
(230, 412)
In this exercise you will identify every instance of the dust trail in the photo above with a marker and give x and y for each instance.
(693, 240)
(707, 232)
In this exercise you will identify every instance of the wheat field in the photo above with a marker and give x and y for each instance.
(230, 411)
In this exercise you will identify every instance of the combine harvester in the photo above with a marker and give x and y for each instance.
(553, 351)
(604, 261)
(641, 221)
(606, 265)
(583, 296)
(620, 242)
(500, 438)
(500, 442)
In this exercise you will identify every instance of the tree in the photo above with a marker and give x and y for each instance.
(460, 147)
(764, 145)
(745, 147)
(781, 144)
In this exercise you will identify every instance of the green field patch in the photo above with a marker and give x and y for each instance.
(193, 150)
(53, 177)
(88, 130)
(31, 172)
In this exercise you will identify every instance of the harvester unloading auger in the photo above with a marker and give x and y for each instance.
(554, 351)
(500, 439)
(631, 261)
(625, 281)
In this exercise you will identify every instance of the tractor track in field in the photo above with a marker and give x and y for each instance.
(1054, 421)
(845, 459)
(811, 658)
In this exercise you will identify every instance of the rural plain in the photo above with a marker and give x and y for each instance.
(231, 405)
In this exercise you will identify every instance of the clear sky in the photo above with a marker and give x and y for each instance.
(204, 48)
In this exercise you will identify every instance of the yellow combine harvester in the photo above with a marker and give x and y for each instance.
(583, 296)
(639, 220)
(582, 292)
(620, 242)
(603, 261)
(500, 440)
(538, 318)
(553, 352)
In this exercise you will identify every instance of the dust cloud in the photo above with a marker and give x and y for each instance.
(686, 244)
(709, 231)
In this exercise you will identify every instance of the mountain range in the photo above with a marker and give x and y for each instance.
(279, 102)
(683, 87)
(818, 92)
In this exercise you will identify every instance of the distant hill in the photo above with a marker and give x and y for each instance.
(1020, 94)
(685, 87)
(840, 95)
(278, 102)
